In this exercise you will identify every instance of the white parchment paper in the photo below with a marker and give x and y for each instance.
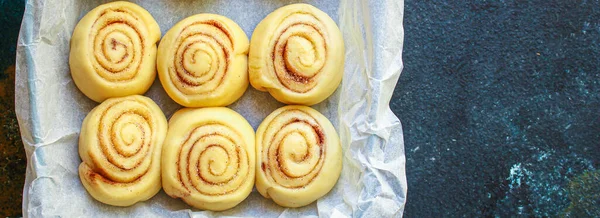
(50, 110)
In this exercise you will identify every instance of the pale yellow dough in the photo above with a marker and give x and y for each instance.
(208, 158)
(203, 61)
(120, 145)
(297, 55)
(298, 156)
(113, 51)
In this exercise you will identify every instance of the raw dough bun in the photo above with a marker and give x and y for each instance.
(297, 55)
(298, 156)
(208, 158)
(203, 61)
(113, 51)
(120, 146)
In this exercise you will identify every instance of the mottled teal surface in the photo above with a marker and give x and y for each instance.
(10, 20)
(12, 154)
(500, 104)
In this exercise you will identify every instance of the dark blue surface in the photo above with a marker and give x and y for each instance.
(500, 104)
(12, 154)
(10, 18)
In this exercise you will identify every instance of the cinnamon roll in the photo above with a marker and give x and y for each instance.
(208, 158)
(202, 61)
(113, 51)
(297, 55)
(298, 156)
(120, 145)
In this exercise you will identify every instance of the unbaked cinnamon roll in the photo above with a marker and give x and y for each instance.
(120, 145)
(208, 158)
(298, 156)
(297, 55)
(113, 51)
(202, 61)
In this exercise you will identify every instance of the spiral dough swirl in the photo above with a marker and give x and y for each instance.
(112, 49)
(285, 134)
(299, 155)
(209, 158)
(297, 54)
(197, 168)
(120, 146)
(296, 71)
(117, 45)
(202, 61)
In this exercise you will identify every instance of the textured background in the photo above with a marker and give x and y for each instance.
(500, 104)
(12, 154)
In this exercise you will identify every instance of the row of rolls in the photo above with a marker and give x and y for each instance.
(206, 154)
(296, 54)
(209, 157)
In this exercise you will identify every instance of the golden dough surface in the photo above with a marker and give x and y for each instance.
(297, 55)
(120, 145)
(298, 156)
(203, 61)
(113, 51)
(208, 158)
